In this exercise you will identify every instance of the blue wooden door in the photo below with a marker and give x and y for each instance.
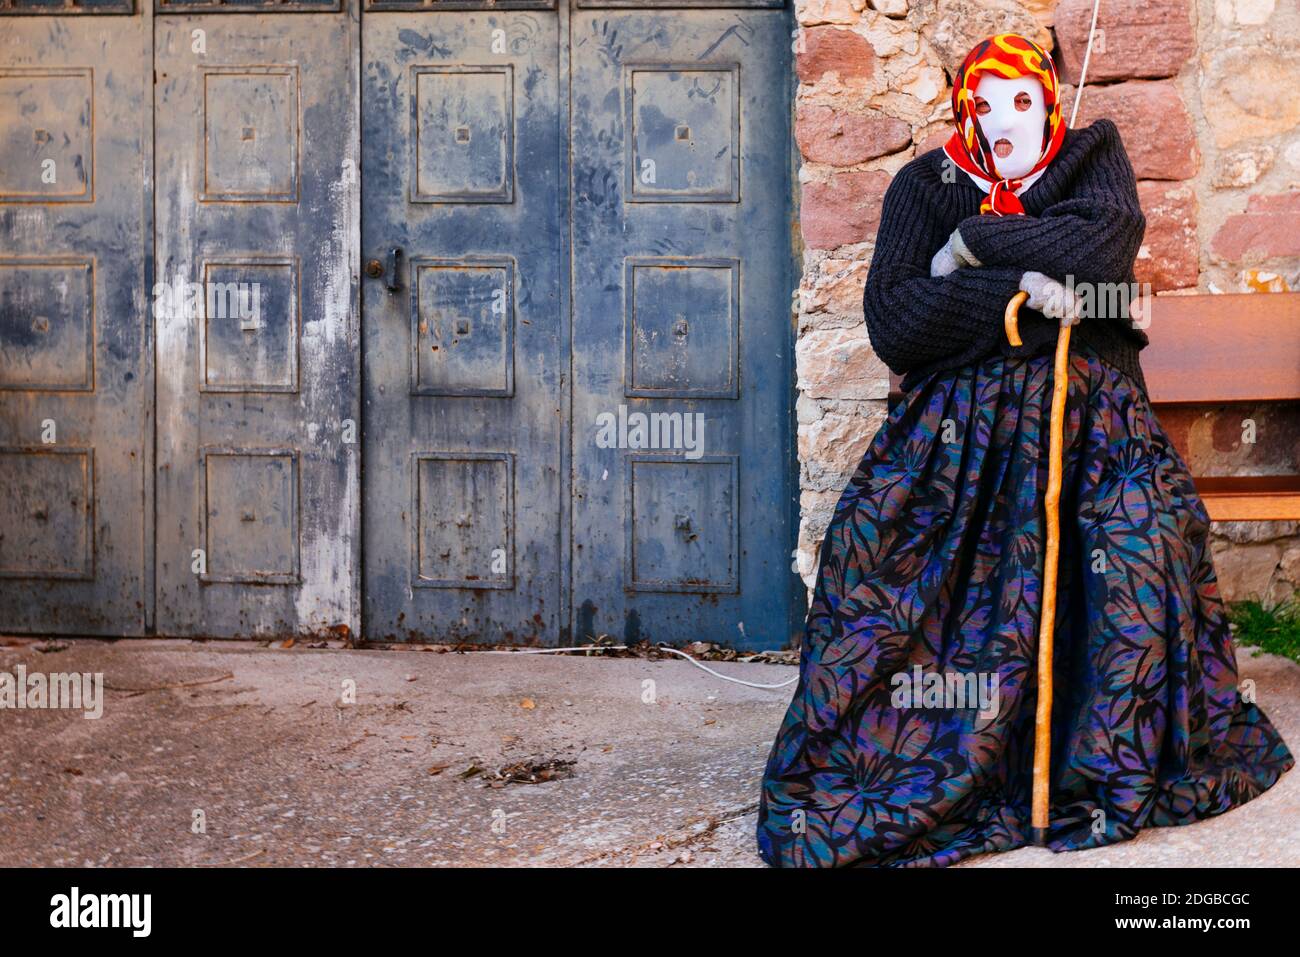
(74, 385)
(470, 320)
(258, 451)
(465, 326)
(574, 217)
(683, 495)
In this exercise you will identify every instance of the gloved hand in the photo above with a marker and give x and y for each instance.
(1049, 297)
(952, 256)
(944, 261)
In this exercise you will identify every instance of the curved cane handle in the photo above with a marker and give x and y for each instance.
(1011, 318)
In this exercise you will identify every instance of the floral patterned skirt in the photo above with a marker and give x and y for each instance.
(932, 566)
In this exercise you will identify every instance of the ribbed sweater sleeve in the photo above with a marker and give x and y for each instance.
(1093, 234)
(914, 319)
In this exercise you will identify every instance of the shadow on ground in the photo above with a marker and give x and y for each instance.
(283, 773)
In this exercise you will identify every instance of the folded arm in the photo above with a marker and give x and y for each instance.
(1093, 235)
(914, 318)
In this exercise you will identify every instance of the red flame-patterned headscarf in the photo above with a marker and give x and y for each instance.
(1007, 55)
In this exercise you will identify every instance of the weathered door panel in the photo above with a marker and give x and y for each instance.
(257, 340)
(464, 326)
(74, 405)
(682, 485)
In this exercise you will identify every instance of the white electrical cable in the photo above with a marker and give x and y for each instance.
(672, 651)
(545, 651)
(1087, 55)
(702, 667)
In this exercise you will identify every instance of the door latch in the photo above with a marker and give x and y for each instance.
(390, 269)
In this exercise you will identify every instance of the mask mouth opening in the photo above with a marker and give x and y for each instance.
(1003, 148)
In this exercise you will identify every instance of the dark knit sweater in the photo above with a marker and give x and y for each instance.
(1082, 220)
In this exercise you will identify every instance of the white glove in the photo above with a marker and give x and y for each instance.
(1049, 297)
(944, 261)
(953, 256)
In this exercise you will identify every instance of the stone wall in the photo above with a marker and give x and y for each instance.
(1203, 92)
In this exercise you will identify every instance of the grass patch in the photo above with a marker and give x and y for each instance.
(1271, 628)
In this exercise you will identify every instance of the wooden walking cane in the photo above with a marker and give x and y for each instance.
(1040, 807)
(1046, 623)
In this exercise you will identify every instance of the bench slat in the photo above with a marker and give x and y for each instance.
(1230, 348)
(1250, 498)
(1239, 347)
(1252, 507)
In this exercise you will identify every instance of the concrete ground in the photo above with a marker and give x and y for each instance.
(283, 773)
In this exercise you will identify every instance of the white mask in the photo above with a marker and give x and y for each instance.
(1016, 114)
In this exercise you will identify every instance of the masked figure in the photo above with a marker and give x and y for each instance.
(909, 740)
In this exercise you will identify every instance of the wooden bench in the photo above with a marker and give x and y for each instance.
(1214, 350)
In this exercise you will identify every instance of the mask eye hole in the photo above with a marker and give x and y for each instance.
(1023, 101)
(981, 105)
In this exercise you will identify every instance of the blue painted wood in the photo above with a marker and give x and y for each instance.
(444, 5)
(680, 313)
(64, 8)
(258, 447)
(683, 484)
(465, 357)
(576, 342)
(247, 6)
(74, 404)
